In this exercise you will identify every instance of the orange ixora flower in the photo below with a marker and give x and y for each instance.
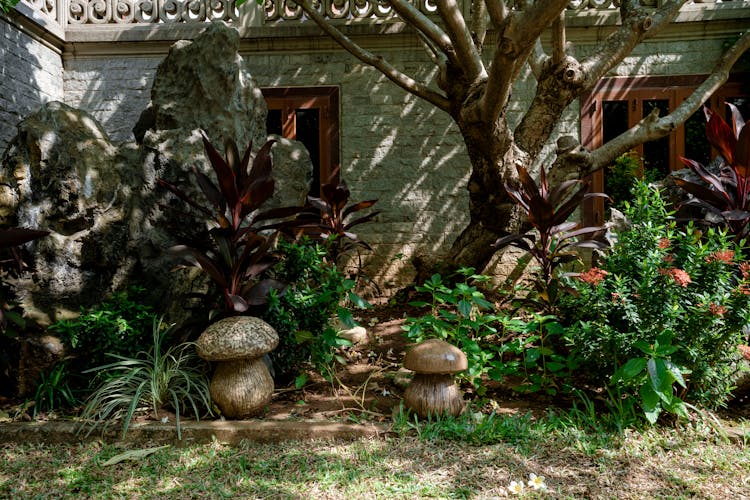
(593, 276)
(664, 243)
(725, 256)
(745, 270)
(716, 309)
(744, 350)
(678, 275)
(669, 258)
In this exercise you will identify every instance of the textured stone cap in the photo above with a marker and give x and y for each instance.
(236, 337)
(435, 356)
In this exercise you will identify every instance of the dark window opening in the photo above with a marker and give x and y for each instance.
(311, 116)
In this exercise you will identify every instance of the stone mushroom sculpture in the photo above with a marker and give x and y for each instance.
(241, 385)
(432, 390)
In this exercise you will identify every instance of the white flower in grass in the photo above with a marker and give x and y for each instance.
(515, 487)
(536, 482)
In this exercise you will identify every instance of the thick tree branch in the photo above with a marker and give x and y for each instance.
(497, 10)
(518, 35)
(479, 22)
(416, 19)
(404, 81)
(468, 55)
(558, 39)
(652, 127)
(637, 25)
(538, 59)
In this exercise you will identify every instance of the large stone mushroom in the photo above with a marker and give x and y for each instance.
(241, 385)
(432, 390)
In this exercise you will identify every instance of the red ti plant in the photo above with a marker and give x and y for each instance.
(728, 193)
(553, 236)
(237, 253)
(327, 218)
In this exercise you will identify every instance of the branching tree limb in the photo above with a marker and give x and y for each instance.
(402, 80)
(636, 26)
(518, 34)
(424, 25)
(497, 11)
(455, 25)
(653, 127)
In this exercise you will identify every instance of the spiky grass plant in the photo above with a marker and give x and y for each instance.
(153, 380)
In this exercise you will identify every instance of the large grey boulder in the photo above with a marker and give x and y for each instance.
(101, 200)
(67, 177)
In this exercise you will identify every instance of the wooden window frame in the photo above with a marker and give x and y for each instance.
(324, 98)
(635, 90)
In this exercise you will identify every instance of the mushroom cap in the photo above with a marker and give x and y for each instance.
(236, 337)
(435, 356)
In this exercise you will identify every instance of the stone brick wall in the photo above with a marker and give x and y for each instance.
(394, 147)
(30, 73)
(114, 89)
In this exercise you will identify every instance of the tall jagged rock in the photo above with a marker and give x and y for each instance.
(101, 201)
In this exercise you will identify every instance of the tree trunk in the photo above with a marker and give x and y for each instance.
(493, 213)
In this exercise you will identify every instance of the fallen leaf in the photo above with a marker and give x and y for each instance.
(133, 455)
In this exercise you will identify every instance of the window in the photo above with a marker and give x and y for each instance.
(617, 104)
(311, 116)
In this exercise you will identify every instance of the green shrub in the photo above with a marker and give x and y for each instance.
(302, 314)
(496, 345)
(667, 306)
(155, 379)
(118, 326)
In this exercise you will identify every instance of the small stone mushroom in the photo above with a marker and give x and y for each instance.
(241, 385)
(432, 390)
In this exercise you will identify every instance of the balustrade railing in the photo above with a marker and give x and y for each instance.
(124, 12)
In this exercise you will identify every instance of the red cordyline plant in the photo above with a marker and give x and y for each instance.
(237, 254)
(728, 193)
(328, 217)
(551, 241)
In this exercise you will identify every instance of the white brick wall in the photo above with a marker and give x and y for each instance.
(30, 73)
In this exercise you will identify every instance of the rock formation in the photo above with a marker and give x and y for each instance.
(101, 201)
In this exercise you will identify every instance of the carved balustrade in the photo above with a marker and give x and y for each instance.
(122, 12)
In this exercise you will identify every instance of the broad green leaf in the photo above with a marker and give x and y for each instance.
(464, 307)
(632, 368)
(650, 403)
(345, 315)
(661, 380)
(676, 372)
(419, 303)
(554, 366)
(554, 328)
(300, 381)
(359, 301)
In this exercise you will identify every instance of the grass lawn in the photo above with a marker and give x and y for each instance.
(423, 461)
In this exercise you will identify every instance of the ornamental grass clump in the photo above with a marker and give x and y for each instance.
(172, 379)
(663, 313)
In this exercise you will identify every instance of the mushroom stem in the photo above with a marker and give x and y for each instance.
(240, 388)
(434, 394)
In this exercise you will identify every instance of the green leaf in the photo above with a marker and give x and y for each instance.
(345, 315)
(464, 307)
(661, 380)
(631, 369)
(676, 372)
(554, 366)
(650, 403)
(300, 381)
(554, 328)
(359, 301)
(419, 303)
